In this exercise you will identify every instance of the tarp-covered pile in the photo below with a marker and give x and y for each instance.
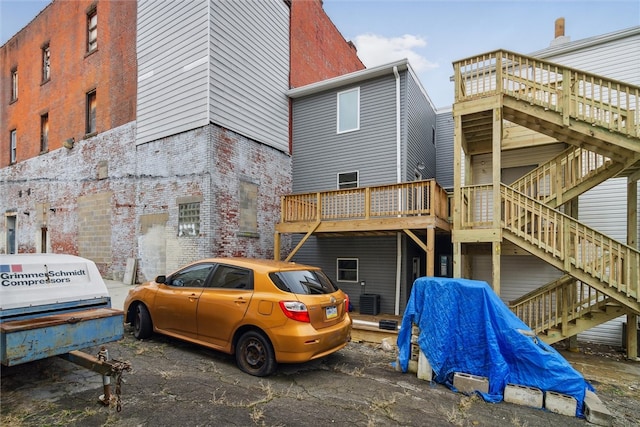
(466, 328)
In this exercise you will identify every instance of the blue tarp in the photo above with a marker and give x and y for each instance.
(465, 327)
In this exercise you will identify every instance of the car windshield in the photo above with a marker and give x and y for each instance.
(303, 282)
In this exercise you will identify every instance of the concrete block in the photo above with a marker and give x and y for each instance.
(523, 395)
(467, 383)
(424, 368)
(415, 330)
(560, 403)
(413, 366)
(594, 410)
(415, 351)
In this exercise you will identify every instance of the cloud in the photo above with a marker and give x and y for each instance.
(376, 50)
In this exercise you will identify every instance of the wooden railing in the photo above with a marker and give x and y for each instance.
(575, 94)
(477, 207)
(558, 303)
(565, 171)
(554, 234)
(406, 199)
(576, 245)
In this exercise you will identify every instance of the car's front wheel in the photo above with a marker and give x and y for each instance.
(254, 354)
(142, 326)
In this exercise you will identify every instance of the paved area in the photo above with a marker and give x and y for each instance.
(174, 383)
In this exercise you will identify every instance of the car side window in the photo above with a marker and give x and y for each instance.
(228, 277)
(192, 277)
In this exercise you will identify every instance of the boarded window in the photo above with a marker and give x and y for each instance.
(248, 208)
(349, 110)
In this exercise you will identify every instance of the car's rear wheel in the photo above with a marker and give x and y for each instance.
(142, 326)
(254, 354)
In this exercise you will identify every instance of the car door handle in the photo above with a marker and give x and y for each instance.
(241, 301)
(193, 297)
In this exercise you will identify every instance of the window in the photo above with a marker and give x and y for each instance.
(248, 208)
(228, 277)
(13, 137)
(303, 282)
(189, 219)
(192, 277)
(44, 133)
(349, 110)
(348, 269)
(348, 180)
(14, 84)
(91, 112)
(92, 30)
(46, 63)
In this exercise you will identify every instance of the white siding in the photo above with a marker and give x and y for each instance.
(249, 61)
(604, 207)
(172, 68)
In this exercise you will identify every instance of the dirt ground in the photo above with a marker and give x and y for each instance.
(172, 383)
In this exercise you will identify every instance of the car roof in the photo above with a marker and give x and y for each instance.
(259, 264)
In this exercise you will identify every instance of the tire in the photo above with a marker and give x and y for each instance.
(142, 326)
(254, 354)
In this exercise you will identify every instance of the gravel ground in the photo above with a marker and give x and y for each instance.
(172, 383)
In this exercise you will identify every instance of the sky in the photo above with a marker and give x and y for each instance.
(432, 34)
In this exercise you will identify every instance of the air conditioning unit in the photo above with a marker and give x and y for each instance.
(370, 304)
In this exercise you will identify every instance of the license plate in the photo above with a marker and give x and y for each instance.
(332, 312)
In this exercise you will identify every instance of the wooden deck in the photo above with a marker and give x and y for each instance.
(366, 328)
(417, 208)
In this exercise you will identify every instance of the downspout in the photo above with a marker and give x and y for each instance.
(399, 180)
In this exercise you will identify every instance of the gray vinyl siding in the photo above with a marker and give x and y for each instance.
(420, 122)
(376, 264)
(444, 148)
(249, 61)
(227, 63)
(172, 71)
(320, 153)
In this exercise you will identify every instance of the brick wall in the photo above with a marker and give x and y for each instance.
(47, 191)
(110, 70)
(210, 163)
(318, 49)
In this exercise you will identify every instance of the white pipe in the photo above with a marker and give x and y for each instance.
(399, 180)
(398, 142)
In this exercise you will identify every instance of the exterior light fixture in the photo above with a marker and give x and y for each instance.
(68, 143)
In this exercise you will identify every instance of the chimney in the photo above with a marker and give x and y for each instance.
(560, 38)
(559, 27)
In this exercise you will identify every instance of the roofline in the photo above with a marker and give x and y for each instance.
(346, 79)
(584, 43)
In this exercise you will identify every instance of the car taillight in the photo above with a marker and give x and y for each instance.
(295, 310)
(346, 303)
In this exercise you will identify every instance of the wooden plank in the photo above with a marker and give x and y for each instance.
(130, 271)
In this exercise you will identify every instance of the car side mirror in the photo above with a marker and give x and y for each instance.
(161, 279)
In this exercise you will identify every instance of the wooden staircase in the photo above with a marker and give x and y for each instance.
(599, 120)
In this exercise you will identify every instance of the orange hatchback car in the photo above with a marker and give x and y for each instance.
(262, 311)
